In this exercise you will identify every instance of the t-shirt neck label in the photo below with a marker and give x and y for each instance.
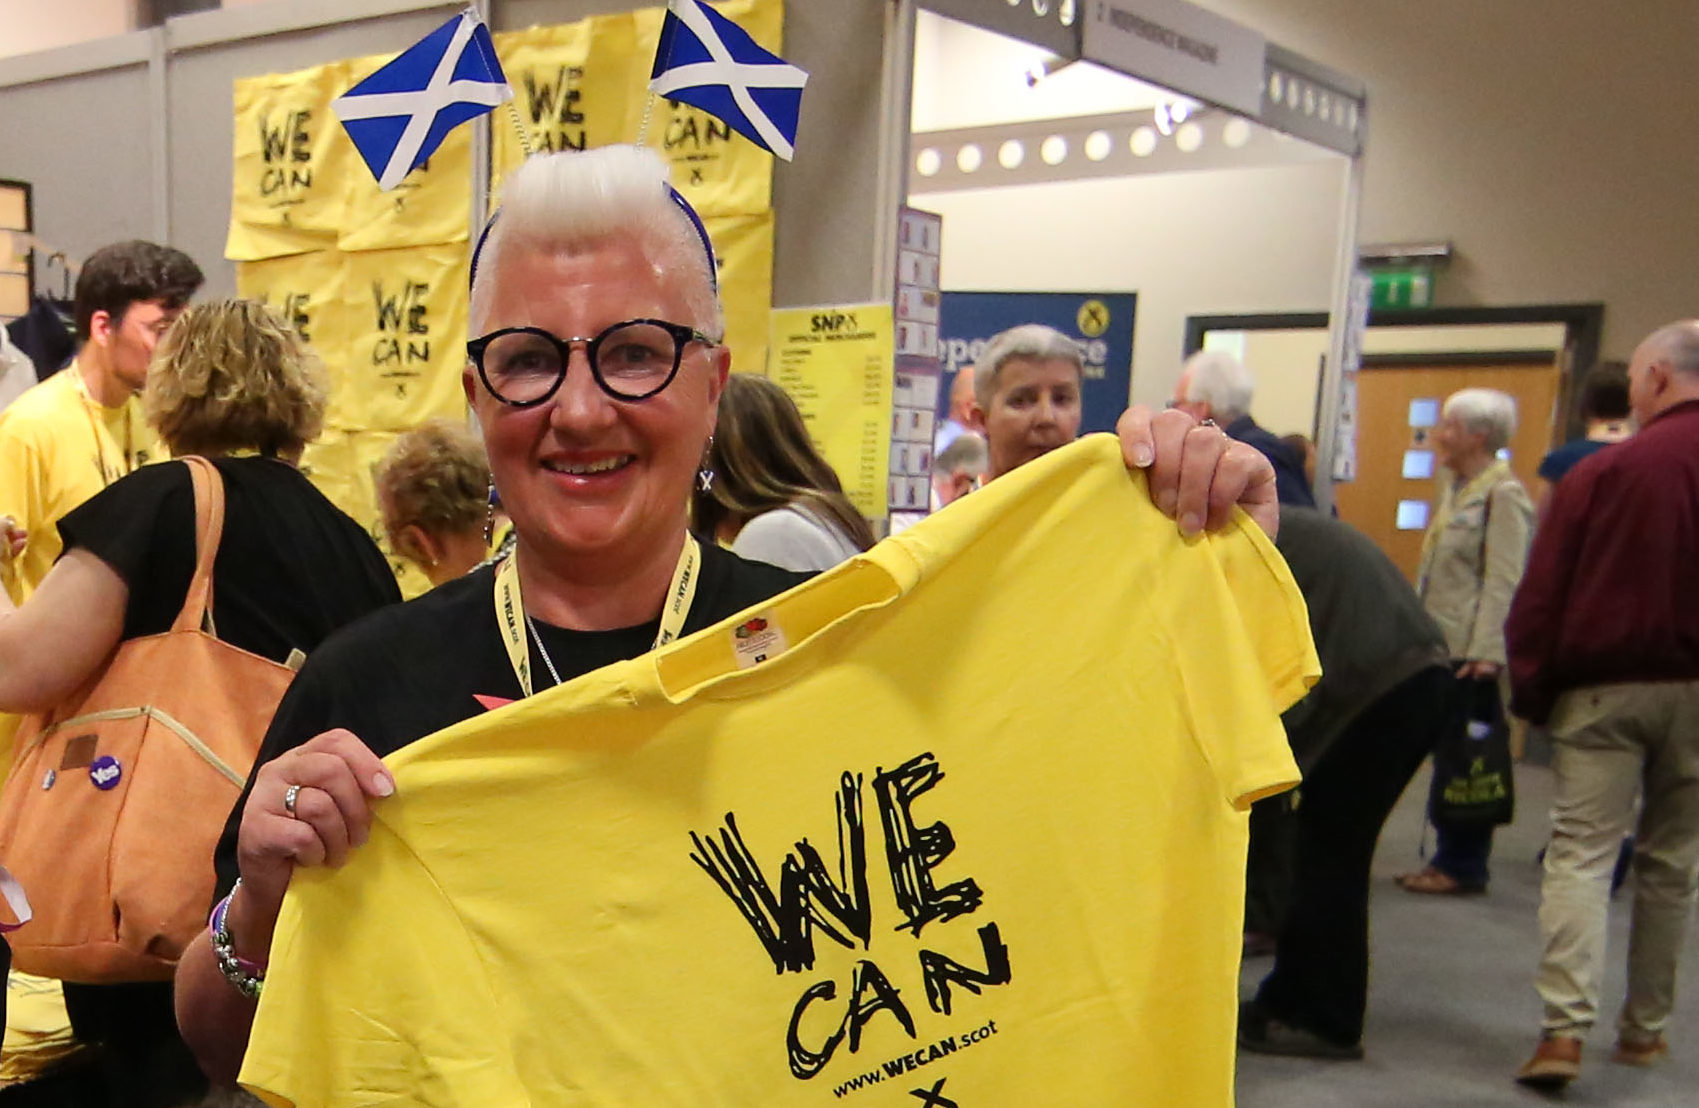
(757, 639)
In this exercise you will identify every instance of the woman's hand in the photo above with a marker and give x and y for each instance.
(12, 539)
(334, 779)
(1196, 473)
(1478, 670)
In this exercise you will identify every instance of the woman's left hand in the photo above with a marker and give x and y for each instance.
(1196, 473)
(12, 538)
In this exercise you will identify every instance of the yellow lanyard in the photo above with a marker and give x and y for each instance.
(99, 431)
(510, 608)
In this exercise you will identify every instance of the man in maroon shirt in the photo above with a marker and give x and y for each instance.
(1603, 640)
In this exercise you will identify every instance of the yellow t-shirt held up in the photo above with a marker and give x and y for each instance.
(960, 821)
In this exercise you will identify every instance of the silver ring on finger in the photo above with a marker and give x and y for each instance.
(289, 796)
(1206, 423)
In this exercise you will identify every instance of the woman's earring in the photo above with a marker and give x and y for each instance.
(490, 514)
(705, 470)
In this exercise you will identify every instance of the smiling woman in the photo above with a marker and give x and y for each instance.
(595, 375)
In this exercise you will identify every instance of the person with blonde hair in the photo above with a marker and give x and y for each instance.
(773, 498)
(229, 381)
(433, 489)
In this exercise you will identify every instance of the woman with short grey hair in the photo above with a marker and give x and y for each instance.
(1472, 560)
(1033, 341)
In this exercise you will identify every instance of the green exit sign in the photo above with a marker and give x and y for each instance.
(1403, 287)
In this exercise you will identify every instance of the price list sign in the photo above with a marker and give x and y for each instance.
(835, 362)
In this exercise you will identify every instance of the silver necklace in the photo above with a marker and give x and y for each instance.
(547, 661)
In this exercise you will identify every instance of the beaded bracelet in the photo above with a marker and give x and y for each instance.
(248, 977)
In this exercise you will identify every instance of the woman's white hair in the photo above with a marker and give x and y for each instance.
(1029, 340)
(1487, 412)
(573, 200)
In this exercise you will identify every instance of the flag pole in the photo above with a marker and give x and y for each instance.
(643, 127)
(649, 103)
(519, 129)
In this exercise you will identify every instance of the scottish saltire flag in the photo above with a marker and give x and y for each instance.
(707, 61)
(399, 115)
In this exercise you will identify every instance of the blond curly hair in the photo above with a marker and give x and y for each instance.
(435, 477)
(231, 375)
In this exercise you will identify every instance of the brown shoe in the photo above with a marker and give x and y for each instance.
(1556, 1062)
(1638, 1051)
(1436, 882)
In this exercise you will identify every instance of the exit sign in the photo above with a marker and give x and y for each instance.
(1403, 287)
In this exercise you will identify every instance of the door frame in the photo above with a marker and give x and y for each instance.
(1583, 326)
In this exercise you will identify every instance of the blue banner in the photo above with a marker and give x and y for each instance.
(1101, 322)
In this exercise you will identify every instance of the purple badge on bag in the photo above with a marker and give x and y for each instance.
(105, 772)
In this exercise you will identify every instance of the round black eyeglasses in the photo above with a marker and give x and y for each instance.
(634, 360)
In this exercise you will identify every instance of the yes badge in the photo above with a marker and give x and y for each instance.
(105, 772)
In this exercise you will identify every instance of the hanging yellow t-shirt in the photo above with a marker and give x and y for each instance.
(571, 89)
(973, 830)
(58, 447)
(743, 245)
(718, 170)
(292, 159)
(403, 340)
(306, 290)
(432, 204)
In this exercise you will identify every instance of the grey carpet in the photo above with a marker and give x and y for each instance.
(1452, 1010)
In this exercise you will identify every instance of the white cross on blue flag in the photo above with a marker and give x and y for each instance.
(707, 61)
(399, 115)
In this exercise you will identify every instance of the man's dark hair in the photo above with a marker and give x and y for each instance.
(1604, 392)
(116, 276)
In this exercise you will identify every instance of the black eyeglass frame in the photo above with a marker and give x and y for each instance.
(681, 336)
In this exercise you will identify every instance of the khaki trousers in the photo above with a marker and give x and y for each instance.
(1615, 743)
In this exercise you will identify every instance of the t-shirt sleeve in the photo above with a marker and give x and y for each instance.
(327, 1031)
(143, 526)
(1244, 654)
(1272, 610)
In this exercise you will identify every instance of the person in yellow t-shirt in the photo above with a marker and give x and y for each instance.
(595, 381)
(81, 429)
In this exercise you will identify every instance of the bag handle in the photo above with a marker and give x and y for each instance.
(209, 529)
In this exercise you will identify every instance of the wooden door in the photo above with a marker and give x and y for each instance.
(1391, 499)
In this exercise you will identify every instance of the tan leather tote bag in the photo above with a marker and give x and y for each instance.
(117, 797)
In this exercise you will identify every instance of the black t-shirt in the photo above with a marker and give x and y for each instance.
(291, 567)
(411, 670)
